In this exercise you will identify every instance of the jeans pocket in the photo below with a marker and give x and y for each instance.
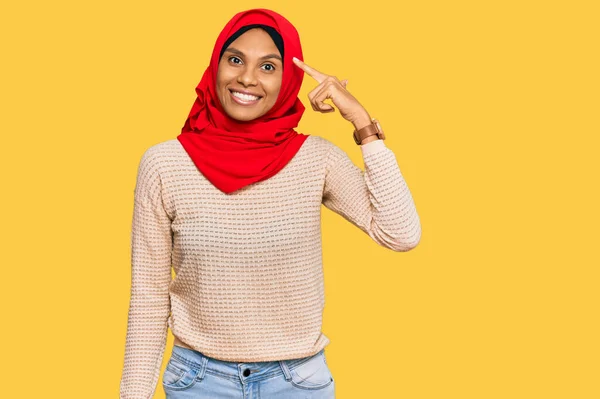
(179, 375)
(312, 373)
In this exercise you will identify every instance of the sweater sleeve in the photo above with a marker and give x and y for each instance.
(376, 200)
(149, 306)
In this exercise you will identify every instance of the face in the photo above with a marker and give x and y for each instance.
(249, 75)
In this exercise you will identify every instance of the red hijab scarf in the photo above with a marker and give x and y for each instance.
(232, 154)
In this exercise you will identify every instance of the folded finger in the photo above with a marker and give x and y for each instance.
(320, 97)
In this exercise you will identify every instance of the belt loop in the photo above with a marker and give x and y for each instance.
(203, 363)
(286, 370)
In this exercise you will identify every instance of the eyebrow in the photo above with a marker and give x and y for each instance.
(238, 52)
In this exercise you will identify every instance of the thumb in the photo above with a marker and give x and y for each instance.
(344, 83)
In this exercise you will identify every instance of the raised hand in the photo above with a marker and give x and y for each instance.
(331, 87)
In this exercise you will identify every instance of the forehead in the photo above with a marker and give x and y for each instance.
(254, 39)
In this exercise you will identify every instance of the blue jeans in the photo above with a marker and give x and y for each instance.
(191, 374)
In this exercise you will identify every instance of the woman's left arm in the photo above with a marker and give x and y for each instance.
(377, 200)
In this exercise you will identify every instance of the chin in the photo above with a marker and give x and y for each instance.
(242, 118)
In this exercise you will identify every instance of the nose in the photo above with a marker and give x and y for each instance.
(247, 77)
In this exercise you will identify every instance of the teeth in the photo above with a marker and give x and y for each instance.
(245, 97)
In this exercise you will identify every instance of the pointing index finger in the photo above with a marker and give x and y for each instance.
(318, 76)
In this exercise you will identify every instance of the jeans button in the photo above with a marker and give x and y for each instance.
(246, 372)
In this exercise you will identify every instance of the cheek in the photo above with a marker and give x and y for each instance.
(222, 78)
(221, 90)
(275, 88)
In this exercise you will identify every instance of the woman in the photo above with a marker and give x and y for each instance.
(233, 205)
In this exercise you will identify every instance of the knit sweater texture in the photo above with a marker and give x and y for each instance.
(248, 283)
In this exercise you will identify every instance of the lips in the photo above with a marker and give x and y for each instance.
(245, 92)
(241, 101)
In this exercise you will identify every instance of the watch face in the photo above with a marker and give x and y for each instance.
(380, 131)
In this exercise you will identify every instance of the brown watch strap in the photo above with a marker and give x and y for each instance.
(371, 129)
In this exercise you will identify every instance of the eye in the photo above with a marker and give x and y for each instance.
(234, 57)
(270, 65)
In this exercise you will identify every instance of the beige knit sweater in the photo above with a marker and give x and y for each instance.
(249, 278)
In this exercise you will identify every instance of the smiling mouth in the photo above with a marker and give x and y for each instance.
(243, 99)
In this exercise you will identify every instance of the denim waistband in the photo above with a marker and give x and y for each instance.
(236, 371)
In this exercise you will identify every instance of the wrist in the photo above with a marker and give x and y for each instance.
(363, 120)
(367, 132)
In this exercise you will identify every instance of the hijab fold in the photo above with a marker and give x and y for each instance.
(232, 154)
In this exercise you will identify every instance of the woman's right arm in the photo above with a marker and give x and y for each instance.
(149, 306)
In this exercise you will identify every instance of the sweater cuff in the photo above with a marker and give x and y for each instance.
(373, 147)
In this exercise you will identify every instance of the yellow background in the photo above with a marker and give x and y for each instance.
(492, 110)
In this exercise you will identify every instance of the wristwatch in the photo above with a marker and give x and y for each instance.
(369, 130)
